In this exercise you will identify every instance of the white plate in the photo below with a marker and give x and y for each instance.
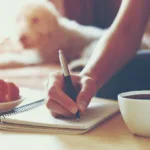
(10, 105)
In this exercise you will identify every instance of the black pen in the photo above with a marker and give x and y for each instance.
(70, 89)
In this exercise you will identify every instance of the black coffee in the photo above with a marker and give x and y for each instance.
(139, 96)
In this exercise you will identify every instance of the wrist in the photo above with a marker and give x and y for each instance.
(91, 76)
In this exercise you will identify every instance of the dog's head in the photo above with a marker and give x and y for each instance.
(34, 22)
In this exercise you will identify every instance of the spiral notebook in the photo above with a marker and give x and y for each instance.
(33, 116)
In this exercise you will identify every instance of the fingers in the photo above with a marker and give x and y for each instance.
(57, 110)
(57, 101)
(55, 79)
(60, 97)
(88, 90)
(61, 104)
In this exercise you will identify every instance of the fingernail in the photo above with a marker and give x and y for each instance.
(82, 105)
(74, 110)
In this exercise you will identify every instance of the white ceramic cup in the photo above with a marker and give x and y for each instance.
(136, 112)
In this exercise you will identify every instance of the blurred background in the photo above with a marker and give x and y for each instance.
(99, 13)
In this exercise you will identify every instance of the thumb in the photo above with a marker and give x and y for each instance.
(88, 90)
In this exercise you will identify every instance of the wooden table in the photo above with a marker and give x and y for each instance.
(111, 134)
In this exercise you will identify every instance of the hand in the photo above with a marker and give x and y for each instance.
(59, 103)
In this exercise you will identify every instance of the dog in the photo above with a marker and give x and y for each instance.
(40, 31)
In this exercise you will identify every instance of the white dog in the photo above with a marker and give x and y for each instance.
(42, 31)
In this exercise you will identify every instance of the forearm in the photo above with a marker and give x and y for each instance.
(121, 42)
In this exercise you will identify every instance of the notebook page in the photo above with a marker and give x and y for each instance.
(30, 95)
(40, 116)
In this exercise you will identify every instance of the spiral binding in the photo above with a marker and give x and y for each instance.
(22, 108)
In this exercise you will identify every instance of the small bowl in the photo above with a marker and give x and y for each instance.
(135, 111)
(6, 106)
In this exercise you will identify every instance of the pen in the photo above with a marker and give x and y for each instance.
(70, 89)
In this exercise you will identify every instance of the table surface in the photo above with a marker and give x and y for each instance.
(111, 134)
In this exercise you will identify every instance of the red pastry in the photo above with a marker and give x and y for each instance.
(3, 90)
(13, 92)
(8, 91)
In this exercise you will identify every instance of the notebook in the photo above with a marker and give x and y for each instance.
(33, 116)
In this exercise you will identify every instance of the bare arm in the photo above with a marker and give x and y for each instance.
(121, 42)
(116, 48)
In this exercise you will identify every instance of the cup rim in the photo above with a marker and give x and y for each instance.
(122, 96)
